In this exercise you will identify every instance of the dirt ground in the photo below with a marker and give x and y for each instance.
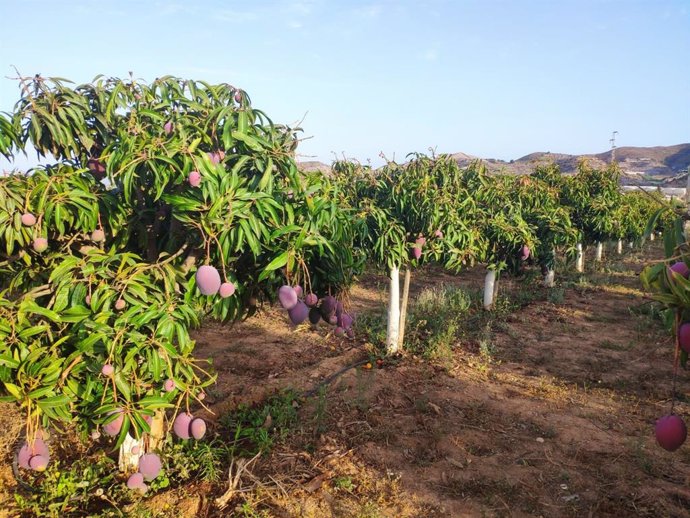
(547, 411)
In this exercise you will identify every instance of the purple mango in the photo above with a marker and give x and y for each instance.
(181, 425)
(298, 313)
(681, 268)
(197, 428)
(150, 466)
(328, 307)
(208, 280)
(684, 336)
(287, 297)
(314, 316)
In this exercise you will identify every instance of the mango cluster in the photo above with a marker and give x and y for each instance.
(328, 309)
(208, 280)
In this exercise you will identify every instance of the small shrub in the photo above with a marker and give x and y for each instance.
(434, 321)
(556, 295)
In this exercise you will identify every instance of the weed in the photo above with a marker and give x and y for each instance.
(486, 351)
(247, 510)
(320, 407)
(643, 459)
(343, 484)
(87, 485)
(434, 321)
(193, 459)
(254, 429)
(369, 510)
(556, 295)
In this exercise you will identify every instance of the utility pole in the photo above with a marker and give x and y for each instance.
(612, 140)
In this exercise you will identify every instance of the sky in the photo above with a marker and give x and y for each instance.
(494, 79)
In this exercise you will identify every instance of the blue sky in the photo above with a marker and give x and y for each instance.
(490, 78)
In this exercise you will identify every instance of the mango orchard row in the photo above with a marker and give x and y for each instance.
(148, 183)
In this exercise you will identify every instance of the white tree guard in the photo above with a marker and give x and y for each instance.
(599, 252)
(550, 279)
(619, 247)
(651, 236)
(489, 287)
(130, 451)
(393, 312)
(580, 259)
(403, 309)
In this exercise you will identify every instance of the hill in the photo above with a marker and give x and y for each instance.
(651, 164)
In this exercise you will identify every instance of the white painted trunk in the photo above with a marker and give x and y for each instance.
(631, 245)
(550, 279)
(619, 247)
(599, 252)
(580, 259)
(130, 451)
(393, 312)
(489, 289)
(403, 309)
(651, 236)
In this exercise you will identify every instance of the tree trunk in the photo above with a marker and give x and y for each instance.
(599, 252)
(619, 247)
(403, 309)
(580, 259)
(190, 260)
(489, 289)
(393, 312)
(651, 236)
(550, 278)
(157, 435)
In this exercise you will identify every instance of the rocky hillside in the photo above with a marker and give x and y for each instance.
(651, 164)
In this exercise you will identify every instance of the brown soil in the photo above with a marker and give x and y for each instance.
(546, 411)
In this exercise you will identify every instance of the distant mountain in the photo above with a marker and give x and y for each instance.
(313, 165)
(649, 164)
(639, 164)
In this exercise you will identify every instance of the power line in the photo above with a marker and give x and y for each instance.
(612, 140)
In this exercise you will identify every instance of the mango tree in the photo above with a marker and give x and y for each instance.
(505, 238)
(594, 199)
(540, 207)
(409, 214)
(148, 183)
(635, 212)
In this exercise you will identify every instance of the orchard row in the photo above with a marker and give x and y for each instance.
(166, 202)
